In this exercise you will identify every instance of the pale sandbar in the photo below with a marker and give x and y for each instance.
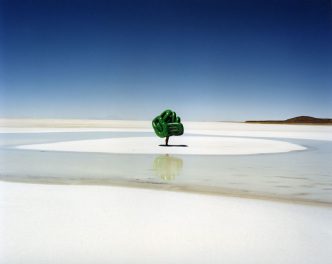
(179, 145)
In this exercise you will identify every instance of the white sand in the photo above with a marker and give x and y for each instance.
(181, 145)
(90, 224)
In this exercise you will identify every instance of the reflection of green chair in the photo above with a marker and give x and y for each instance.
(167, 124)
(167, 167)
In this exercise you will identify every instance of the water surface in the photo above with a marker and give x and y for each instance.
(296, 176)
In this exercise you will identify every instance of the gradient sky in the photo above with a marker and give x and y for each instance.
(207, 60)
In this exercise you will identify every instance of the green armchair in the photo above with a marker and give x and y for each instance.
(167, 124)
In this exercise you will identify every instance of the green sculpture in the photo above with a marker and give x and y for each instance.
(167, 124)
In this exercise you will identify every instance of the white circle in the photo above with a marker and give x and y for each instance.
(187, 145)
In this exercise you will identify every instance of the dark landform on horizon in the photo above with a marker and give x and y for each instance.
(296, 120)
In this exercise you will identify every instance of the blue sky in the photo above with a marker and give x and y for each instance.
(207, 60)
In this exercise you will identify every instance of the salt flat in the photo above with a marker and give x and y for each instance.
(44, 223)
(179, 145)
(315, 132)
(91, 224)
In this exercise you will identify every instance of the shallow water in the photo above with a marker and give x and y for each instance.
(297, 176)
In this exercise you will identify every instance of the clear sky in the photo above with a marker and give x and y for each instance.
(207, 60)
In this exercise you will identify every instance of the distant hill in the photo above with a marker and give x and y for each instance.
(296, 120)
